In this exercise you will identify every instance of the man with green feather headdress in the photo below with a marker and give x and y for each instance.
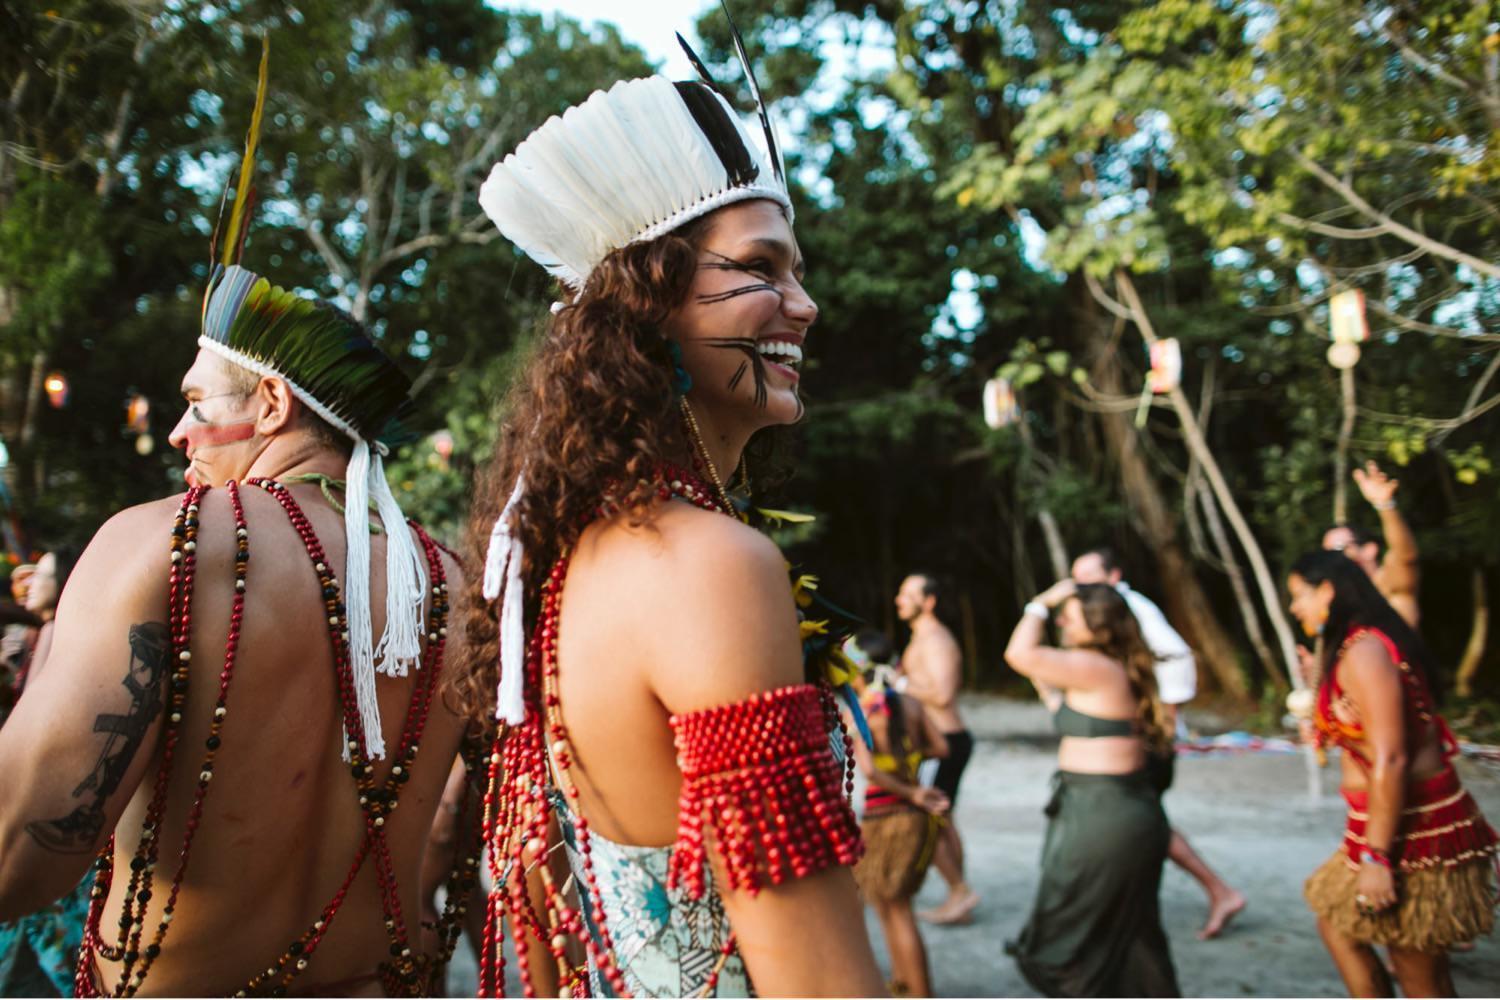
(212, 685)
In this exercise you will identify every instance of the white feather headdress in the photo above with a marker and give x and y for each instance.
(627, 165)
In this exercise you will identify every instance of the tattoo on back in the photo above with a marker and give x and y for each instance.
(78, 831)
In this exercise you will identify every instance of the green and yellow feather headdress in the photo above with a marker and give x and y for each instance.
(332, 366)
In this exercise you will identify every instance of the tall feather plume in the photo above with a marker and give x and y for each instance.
(234, 236)
(772, 148)
(703, 72)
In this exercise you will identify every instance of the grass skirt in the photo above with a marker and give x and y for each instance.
(898, 848)
(1445, 883)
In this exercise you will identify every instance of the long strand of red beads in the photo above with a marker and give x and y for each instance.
(405, 973)
(517, 811)
(143, 865)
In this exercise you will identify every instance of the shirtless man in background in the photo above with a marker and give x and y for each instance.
(933, 667)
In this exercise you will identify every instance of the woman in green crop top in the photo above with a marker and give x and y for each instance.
(1095, 929)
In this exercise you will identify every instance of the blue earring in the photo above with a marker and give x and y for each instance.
(681, 380)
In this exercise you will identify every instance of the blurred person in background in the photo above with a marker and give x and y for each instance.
(1415, 870)
(902, 819)
(39, 952)
(1176, 685)
(1095, 928)
(933, 667)
(1397, 575)
(18, 629)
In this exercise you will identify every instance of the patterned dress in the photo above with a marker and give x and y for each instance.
(666, 942)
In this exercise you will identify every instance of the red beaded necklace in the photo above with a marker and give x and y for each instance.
(405, 973)
(518, 811)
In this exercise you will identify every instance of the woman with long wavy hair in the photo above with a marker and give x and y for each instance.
(1095, 928)
(1415, 870)
(667, 774)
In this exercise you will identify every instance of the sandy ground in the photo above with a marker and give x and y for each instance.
(1251, 818)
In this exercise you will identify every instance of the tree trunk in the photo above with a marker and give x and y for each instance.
(1242, 598)
(1479, 634)
(1187, 606)
(1195, 441)
(1341, 456)
(1057, 552)
(1223, 548)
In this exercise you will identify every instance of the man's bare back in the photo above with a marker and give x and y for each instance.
(281, 823)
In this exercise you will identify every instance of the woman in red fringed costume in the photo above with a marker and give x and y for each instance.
(667, 810)
(1415, 870)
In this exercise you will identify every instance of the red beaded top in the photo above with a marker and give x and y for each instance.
(1336, 717)
(759, 774)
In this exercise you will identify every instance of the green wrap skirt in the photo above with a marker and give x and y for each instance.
(1095, 929)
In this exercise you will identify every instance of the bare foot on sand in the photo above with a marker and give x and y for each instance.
(958, 908)
(1221, 910)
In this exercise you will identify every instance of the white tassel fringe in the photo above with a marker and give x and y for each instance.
(357, 596)
(502, 580)
(400, 645)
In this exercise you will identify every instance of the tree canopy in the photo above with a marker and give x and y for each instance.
(1030, 191)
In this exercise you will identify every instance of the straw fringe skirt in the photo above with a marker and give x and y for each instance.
(1445, 882)
(898, 849)
(1436, 908)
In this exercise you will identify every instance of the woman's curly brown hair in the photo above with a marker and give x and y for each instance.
(593, 413)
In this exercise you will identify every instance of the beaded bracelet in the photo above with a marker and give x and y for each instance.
(1384, 505)
(1037, 609)
(1378, 856)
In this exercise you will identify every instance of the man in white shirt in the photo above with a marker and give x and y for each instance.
(1176, 683)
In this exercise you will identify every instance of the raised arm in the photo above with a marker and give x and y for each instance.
(79, 740)
(735, 612)
(1400, 570)
(1047, 666)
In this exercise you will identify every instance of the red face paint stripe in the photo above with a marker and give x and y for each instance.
(213, 435)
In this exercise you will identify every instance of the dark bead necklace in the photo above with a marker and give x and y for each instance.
(405, 973)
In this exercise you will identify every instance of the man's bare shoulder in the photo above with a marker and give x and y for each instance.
(135, 540)
(933, 646)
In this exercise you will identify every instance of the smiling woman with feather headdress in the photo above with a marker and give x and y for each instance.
(668, 803)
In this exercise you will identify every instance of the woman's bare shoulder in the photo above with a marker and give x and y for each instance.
(708, 601)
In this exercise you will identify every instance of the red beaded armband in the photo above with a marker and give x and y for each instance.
(760, 775)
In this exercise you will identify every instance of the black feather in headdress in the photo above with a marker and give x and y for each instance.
(760, 103)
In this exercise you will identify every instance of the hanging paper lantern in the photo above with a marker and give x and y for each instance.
(1343, 354)
(1346, 319)
(56, 386)
(1000, 407)
(442, 446)
(138, 414)
(1166, 366)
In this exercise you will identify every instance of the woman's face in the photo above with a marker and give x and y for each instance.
(41, 593)
(1075, 632)
(1310, 603)
(745, 319)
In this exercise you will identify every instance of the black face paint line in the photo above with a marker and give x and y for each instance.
(739, 373)
(730, 264)
(747, 347)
